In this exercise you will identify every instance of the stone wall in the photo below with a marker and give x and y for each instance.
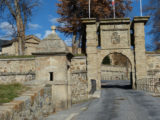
(114, 73)
(152, 81)
(17, 70)
(11, 50)
(153, 65)
(79, 82)
(149, 85)
(35, 104)
(30, 48)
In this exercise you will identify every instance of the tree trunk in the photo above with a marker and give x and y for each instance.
(20, 29)
(74, 44)
(20, 37)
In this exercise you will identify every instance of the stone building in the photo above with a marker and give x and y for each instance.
(114, 36)
(11, 47)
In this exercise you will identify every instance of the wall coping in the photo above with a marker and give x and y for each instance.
(79, 71)
(16, 59)
(153, 54)
(51, 53)
(115, 21)
(105, 21)
(88, 20)
(79, 57)
(139, 19)
(14, 73)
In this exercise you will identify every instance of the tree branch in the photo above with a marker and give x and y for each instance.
(10, 8)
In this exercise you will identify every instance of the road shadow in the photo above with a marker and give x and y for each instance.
(116, 84)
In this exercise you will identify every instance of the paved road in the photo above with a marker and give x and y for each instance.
(117, 102)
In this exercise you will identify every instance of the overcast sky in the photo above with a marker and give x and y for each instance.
(45, 16)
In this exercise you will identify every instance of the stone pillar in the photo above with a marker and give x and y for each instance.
(139, 41)
(92, 58)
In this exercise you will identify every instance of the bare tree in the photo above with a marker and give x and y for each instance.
(18, 13)
(71, 12)
(153, 9)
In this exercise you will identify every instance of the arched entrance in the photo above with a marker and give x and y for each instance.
(116, 67)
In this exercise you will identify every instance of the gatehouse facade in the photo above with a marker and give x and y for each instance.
(120, 35)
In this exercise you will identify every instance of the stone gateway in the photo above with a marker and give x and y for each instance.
(118, 35)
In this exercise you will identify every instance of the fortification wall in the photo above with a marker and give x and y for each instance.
(149, 85)
(153, 65)
(17, 70)
(152, 82)
(79, 82)
(35, 104)
(114, 73)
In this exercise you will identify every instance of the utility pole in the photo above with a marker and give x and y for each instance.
(89, 5)
(141, 8)
(114, 8)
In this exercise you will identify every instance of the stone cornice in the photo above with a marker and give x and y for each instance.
(115, 21)
(143, 19)
(88, 21)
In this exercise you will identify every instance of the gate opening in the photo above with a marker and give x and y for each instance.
(116, 69)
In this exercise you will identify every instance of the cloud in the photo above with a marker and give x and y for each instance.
(7, 28)
(53, 20)
(3, 38)
(38, 35)
(34, 26)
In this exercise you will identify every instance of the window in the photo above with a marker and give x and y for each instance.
(51, 76)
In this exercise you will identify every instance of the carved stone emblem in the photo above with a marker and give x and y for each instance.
(115, 39)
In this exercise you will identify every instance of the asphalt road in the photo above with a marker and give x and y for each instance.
(117, 102)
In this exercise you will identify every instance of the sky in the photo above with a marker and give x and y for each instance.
(45, 16)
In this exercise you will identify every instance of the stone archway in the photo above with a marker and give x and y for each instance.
(127, 53)
(116, 66)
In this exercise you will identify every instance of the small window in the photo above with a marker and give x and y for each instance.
(51, 76)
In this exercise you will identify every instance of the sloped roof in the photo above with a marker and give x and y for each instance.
(32, 37)
(52, 44)
(2, 42)
(10, 42)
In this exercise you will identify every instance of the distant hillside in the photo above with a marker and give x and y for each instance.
(1, 43)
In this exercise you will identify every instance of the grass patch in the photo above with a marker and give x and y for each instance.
(18, 56)
(79, 55)
(10, 91)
